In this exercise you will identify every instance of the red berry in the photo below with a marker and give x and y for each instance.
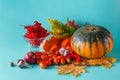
(35, 31)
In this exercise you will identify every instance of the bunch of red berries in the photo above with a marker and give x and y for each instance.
(35, 31)
(35, 34)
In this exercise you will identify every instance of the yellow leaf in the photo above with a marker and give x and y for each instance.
(70, 69)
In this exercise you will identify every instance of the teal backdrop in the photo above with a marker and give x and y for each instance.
(14, 13)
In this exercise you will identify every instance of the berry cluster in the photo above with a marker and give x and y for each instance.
(35, 31)
(35, 34)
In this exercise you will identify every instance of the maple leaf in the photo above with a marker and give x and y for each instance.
(105, 62)
(70, 69)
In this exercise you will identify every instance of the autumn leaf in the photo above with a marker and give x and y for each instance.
(76, 68)
(105, 62)
(70, 69)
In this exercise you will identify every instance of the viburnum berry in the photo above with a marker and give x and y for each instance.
(34, 33)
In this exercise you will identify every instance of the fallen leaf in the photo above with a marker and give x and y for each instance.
(70, 69)
(106, 62)
(76, 68)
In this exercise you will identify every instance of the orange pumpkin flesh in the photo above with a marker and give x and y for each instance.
(92, 41)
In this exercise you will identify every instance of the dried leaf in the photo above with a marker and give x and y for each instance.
(70, 69)
(106, 62)
(94, 62)
(78, 70)
(112, 60)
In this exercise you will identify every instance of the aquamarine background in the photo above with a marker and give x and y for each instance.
(14, 13)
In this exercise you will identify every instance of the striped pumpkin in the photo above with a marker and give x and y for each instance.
(92, 41)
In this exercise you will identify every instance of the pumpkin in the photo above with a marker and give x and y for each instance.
(92, 41)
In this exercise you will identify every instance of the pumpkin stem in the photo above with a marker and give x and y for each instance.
(91, 28)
